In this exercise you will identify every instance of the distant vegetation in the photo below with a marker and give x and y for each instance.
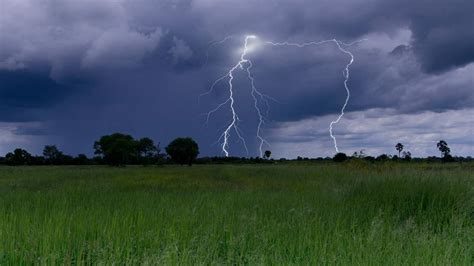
(121, 149)
(183, 150)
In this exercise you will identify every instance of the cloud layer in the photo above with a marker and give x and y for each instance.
(139, 66)
(376, 131)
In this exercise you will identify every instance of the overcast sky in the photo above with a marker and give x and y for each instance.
(72, 71)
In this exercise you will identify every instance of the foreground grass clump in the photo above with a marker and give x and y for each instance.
(353, 213)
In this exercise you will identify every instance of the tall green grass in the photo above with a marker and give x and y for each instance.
(354, 213)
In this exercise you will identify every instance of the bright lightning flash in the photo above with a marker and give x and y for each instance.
(246, 64)
(243, 64)
(345, 73)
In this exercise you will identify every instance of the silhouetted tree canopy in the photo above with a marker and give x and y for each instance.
(52, 155)
(18, 157)
(121, 149)
(117, 149)
(183, 150)
(445, 151)
(443, 148)
(407, 156)
(340, 157)
(399, 148)
(382, 157)
(147, 151)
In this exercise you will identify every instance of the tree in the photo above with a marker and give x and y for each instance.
(267, 154)
(443, 148)
(339, 157)
(37, 160)
(52, 155)
(445, 151)
(399, 148)
(360, 154)
(117, 149)
(18, 157)
(183, 150)
(147, 151)
(406, 156)
(81, 159)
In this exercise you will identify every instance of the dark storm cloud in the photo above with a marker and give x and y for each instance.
(23, 94)
(138, 66)
(443, 31)
(92, 31)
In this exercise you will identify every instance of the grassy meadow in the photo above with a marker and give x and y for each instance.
(311, 214)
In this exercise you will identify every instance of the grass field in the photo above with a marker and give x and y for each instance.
(354, 213)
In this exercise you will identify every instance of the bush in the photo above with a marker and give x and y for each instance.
(340, 157)
(448, 159)
(382, 157)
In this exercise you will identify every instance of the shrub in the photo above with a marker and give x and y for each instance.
(340, 157)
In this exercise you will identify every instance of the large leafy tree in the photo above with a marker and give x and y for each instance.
(120, 149)
(117, 149)
(183, 150)
(18, 157)
(52, 155)
(147, 150)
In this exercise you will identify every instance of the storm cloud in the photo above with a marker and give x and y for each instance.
(80, 69)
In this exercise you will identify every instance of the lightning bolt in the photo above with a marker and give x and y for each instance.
(345, 73)
(261, 119)
(246, 64)
(214, 43)
(233, 125)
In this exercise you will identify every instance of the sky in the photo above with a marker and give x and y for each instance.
(72, 71)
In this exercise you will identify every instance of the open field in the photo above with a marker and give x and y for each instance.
(353, 213)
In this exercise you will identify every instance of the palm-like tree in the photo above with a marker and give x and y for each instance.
(443, 148)
(399, 148)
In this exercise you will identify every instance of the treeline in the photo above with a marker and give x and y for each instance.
(121, 149)
(404, 155)
(116, 149)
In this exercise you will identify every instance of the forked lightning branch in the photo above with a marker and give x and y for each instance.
(245, 64)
